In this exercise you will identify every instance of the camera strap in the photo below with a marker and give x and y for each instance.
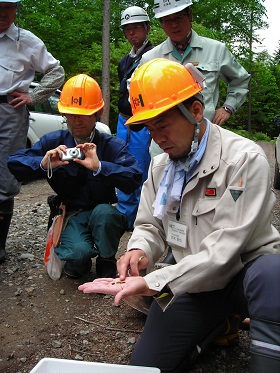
(50, 172)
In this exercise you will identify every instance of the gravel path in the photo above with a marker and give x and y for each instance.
(41, 318)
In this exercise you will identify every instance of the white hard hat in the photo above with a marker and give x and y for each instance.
(9, 1)
(134, 14)
(163, 8)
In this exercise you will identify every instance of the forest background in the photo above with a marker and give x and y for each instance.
(85, 36)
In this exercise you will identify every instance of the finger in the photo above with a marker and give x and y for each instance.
(123, 267)
(134, 265)
(118, 298)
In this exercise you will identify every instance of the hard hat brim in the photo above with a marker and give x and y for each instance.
(77, 111)
(144, 117)
(178, 9)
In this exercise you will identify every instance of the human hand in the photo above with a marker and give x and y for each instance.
(91, 160)
(21, 98)
(131, 263)
(53, 157)
(135, 285)
(221, 116)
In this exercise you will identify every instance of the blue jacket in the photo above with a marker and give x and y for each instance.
(76, 186)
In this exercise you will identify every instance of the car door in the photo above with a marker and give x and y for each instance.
(44, 118)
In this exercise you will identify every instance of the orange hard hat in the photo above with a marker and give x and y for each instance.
(80, 95)
(160, 84)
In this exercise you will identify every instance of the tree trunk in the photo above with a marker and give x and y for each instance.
(106, 61)
(251, 64)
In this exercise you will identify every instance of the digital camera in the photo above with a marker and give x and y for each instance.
(72, 153)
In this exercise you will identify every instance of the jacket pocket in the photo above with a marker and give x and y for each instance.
(204, 213)
(205, 206)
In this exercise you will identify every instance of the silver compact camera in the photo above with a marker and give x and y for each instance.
(72, 153)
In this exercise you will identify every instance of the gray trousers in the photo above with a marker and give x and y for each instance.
(13, 133)
(171, 340)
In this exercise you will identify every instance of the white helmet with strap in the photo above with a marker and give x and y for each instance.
(134, 14)
(163, 8)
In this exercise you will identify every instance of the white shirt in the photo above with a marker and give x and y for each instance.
(18, 65)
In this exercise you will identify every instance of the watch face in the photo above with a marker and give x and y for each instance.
(227, 109)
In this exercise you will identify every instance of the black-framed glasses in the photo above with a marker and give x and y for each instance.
(169, 21)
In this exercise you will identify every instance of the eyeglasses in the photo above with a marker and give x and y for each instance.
(77, 116)
(132, 28)
(169, 21)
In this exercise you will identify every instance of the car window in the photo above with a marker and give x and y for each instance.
(44, 107)
(53, 100)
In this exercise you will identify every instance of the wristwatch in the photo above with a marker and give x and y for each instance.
(227, 109)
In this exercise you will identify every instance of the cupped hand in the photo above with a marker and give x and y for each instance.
(135, 285)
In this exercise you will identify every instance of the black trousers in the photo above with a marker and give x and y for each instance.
(171, 340)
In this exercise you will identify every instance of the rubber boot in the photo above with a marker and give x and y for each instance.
(265, 347)
(6, 212)
(5, 221)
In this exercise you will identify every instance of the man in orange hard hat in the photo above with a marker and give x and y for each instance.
(209, 197)
(84, 167)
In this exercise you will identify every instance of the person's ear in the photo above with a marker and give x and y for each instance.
(98, 115)
(148, 27)
(196, 110)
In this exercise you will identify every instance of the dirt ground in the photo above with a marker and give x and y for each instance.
(42, 318)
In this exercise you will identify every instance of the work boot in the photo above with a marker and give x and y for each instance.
(72, 269)
(106, 267)
(5, 221)
(230, 335)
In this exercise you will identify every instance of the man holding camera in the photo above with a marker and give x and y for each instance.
(84, 167)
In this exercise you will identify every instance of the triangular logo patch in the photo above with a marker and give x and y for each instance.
(235, 194)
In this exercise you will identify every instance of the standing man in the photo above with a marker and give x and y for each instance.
(210, 56)
(135, 24)
(209, 197)
(86, 185)
(22, 54)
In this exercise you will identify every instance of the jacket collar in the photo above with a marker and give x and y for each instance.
(11, 32)
(196, 42)
(211, 158)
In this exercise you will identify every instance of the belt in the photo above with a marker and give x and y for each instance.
(4, 99)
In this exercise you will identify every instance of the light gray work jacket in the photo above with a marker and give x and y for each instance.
(226, 207)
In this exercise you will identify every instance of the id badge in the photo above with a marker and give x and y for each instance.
(177, 233)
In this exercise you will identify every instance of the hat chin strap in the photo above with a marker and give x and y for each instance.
(196, 124)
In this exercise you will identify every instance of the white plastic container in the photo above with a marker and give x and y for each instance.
(51, 365)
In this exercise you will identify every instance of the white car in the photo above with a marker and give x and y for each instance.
(46, 118)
